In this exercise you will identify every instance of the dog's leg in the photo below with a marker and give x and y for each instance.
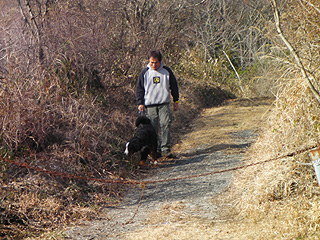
(141, 163)
(154, 154)
(144, 155)
(154, 158)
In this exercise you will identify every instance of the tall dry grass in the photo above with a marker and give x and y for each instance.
(45, 126)
(280, 199)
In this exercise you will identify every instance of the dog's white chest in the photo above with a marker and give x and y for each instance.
(126, 151)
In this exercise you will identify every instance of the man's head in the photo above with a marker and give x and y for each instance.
(155, 59)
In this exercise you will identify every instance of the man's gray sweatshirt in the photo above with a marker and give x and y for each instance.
(154, 86)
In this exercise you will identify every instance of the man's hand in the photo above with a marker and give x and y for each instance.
(141, 108)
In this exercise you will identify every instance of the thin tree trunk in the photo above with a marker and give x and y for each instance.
(234, 69)
(293, 52)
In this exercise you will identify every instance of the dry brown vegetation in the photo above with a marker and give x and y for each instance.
(68, 70)
(279, 200)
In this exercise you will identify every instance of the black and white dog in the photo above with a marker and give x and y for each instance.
(143, 141)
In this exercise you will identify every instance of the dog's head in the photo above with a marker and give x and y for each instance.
(142, 120)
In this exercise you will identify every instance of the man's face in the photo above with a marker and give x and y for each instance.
(154, 63)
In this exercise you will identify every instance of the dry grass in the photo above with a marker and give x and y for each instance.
(279, 199)
(282, 195)
(46, 127)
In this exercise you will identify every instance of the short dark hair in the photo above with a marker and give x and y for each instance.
(155, 54)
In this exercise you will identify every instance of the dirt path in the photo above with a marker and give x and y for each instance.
(185, 209)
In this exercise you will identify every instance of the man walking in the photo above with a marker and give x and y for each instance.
(155, 86)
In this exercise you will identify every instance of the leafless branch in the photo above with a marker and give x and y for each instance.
(293, 51)
(234, 69)
(310, 4)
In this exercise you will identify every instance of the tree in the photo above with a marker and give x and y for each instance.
(34, 13)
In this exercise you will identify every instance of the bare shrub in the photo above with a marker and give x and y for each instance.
(46, 127)
(229, 44)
